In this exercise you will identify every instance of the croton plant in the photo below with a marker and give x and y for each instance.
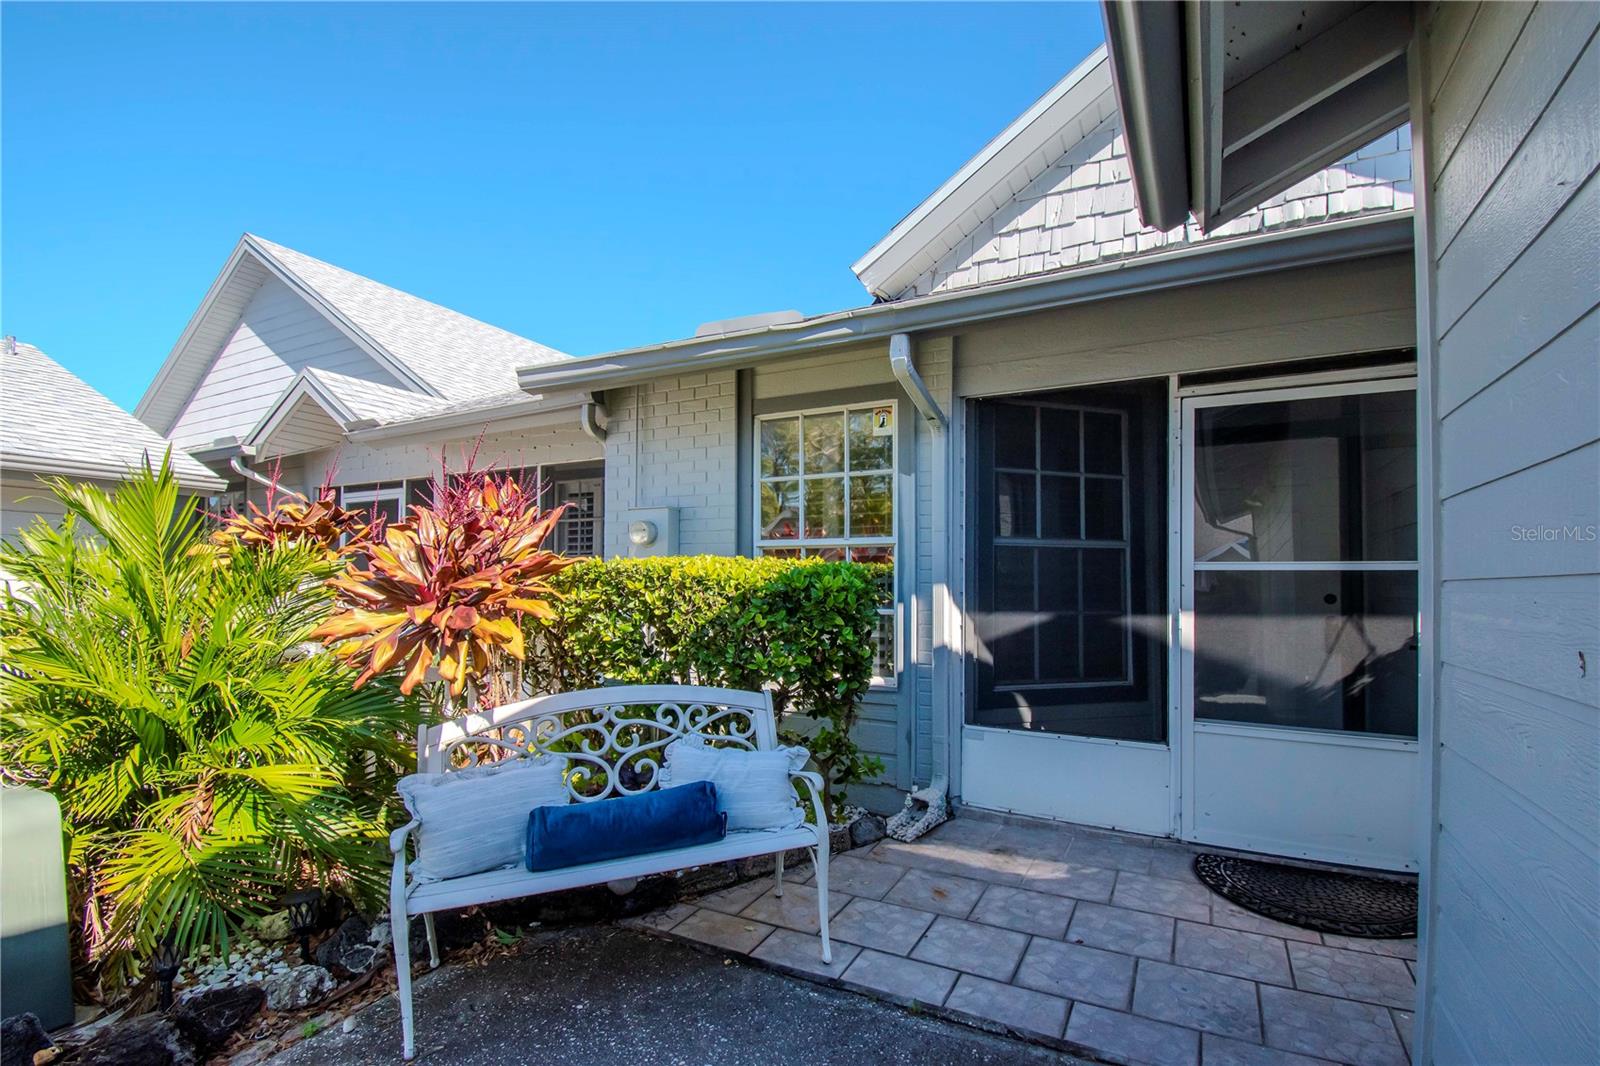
(449, 586)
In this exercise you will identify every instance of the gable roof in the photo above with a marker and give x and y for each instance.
(54, 422)
(435, 352)
(1026, 148)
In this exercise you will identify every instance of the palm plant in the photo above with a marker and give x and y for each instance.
(206, 755)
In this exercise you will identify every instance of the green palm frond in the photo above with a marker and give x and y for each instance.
(206, 755)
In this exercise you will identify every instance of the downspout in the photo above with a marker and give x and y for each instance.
(236, 464)
(905, 372)
(589, 415)
(926, 807)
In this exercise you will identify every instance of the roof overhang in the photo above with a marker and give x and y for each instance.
(13, 463)
(1194, 264)
(1227, 105)
(1018, 154)
(310, 416)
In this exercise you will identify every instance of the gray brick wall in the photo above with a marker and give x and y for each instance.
(1081, 211)
(672, 443)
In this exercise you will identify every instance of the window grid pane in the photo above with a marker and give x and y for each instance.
(826, 489)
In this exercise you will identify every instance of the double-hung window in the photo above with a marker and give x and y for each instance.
(825, 486)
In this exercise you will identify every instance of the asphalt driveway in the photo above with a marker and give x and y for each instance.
(610, 996)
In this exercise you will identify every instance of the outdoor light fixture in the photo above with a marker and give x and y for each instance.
(642, 533)
(304, 909)
(164, 964)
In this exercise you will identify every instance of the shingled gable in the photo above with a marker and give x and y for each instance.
(421, 359)
(1053, 191)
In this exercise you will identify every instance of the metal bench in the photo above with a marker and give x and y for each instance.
(613, 740)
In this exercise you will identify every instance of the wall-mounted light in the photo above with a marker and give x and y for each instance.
(642, 533)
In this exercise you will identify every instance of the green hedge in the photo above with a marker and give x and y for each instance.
(804, 627)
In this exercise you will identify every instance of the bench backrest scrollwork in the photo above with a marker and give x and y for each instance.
(612, 738)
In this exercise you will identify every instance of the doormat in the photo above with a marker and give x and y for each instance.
(1325, 900)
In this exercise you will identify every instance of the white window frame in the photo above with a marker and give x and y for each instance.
(764, 544)
(365, 498)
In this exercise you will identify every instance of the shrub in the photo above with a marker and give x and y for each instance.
(449, 587)
(206, 758)
(803, 627)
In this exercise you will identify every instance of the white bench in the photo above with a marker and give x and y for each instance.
(596, 731)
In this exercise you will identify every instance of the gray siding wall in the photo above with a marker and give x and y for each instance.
(1511, 94)
(672, 443)
(278, 335)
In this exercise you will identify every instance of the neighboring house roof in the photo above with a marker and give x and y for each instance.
(440, 355)
(53, 422)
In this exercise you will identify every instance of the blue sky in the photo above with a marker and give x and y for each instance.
(593, 177)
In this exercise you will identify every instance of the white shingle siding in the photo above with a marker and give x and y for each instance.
(1081, 210)
(278, 335)
(673, 443)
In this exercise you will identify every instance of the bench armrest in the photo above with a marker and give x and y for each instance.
(397, 839)
(813, 782)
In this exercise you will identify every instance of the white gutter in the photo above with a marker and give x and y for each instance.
(905, 372)
(541, 403)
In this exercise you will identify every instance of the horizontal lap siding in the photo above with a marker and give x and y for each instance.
(22, 502)
(420, 457)
(1363, 305)
(278, 335)
(1513, 146)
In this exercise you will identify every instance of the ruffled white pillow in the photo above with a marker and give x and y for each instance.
(752, 786)
(475, 819)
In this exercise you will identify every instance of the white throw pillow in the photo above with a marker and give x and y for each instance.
(752, 786)
(475, 819)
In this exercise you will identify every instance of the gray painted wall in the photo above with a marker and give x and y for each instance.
(1510, 100)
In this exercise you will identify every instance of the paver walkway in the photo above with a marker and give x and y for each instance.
(1099, 941)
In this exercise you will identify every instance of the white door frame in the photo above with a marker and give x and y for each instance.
(1184, 729)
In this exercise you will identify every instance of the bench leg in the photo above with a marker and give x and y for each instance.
(433, 941)
(822, 898)
(778, 877)
(400, 930)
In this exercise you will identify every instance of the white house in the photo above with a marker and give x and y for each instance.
(54, 424)
(297, 368)
(1070, 432)
(1504, 99)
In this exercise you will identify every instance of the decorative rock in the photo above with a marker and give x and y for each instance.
(210, 1018)
(20, 1036)
(867, 829)
(348, 951)
(273, 928)
(148, 1040)
(298, 988)
(838, 839)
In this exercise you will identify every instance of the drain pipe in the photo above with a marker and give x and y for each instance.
(589, 416)
(927, 807)
(905, 372)
(236, 464)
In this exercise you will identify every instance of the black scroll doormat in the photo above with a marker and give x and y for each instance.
(1325, 900)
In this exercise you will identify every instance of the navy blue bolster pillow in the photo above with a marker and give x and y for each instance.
(579, 833)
